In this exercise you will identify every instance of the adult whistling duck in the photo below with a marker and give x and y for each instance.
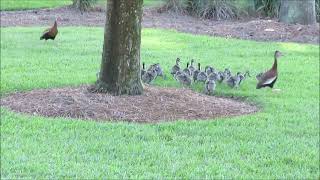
(270, 77)
(176, 67)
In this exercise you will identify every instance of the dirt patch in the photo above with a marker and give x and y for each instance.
(155, 105)
(253, 29)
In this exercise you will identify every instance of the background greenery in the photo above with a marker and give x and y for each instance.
(281, 141)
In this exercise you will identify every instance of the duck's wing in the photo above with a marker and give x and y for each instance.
(267, 78)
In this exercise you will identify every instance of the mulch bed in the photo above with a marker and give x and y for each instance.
(155, 105)
(252, 29)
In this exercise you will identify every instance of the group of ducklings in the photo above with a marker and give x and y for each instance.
(210, 76)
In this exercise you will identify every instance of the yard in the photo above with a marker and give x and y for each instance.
(280, 141)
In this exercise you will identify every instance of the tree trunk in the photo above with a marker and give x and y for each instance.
(297, 11)
(120, 66)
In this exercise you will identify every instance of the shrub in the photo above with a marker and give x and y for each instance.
(83, 5)
(173, 5)
(209, 9)
(268, 8)
(214, 9)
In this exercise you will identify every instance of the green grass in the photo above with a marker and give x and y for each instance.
(281, 141)
(32, 4)
(36, 4)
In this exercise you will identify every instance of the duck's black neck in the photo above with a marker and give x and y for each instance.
(275, 63)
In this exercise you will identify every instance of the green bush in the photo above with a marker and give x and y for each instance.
(83, 5)
(268, 8)
(214, 9)
(209, 9)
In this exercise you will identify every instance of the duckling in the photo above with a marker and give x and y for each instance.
(196, 72)
(149, 76)
(187, 70)
(226, 74)
(202, 76)
(209, 70)
(209, 87)
(234, 81)
(214, 76)
(158, 69)
(183, 78)
(143, 71)
(176, 67)
(258, 76)
(191, 68)
(244, 76)
(221, 78)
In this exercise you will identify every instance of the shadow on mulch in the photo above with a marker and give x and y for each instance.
(155, 105)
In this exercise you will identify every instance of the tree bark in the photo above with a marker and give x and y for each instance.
(120, 66)
(297, 11)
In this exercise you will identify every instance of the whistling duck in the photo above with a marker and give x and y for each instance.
(209, 70)
(268, 78)
(191, 68)
(234, 81)
(244, 76)
(220, 73)
(187, 70)
(214, 76)
(176, 67)
(209, 87)
(202, 76)
(183, 78)
(195, 73)
(143, 70)
(149, 76)
(226, 74)
(158, 69)
(258, 76)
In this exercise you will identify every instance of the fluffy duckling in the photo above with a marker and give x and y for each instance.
(226, 74)
(258, 76)
(214, 76)
(149, 76)
(209, 70)
(209, 87)
(143, 70)
(234, 81)
(191, 68)
(176, 67)
(158, 69)
(183, 78)
(202, 76)
(187, 70)
(196, 72)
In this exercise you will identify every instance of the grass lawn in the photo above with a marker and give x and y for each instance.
(32, 4)
(281, 141)
(35, 4)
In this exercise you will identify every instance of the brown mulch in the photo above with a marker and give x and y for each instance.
(253, 29)
(155, 105)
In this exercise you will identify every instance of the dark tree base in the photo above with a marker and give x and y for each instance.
(101, 87)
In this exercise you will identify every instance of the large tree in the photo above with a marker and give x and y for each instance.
(120, 66)
(297, 11)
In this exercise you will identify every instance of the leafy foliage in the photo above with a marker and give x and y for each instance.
(268, 8)
(214, 9)
(84, 5)
(209, 9)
